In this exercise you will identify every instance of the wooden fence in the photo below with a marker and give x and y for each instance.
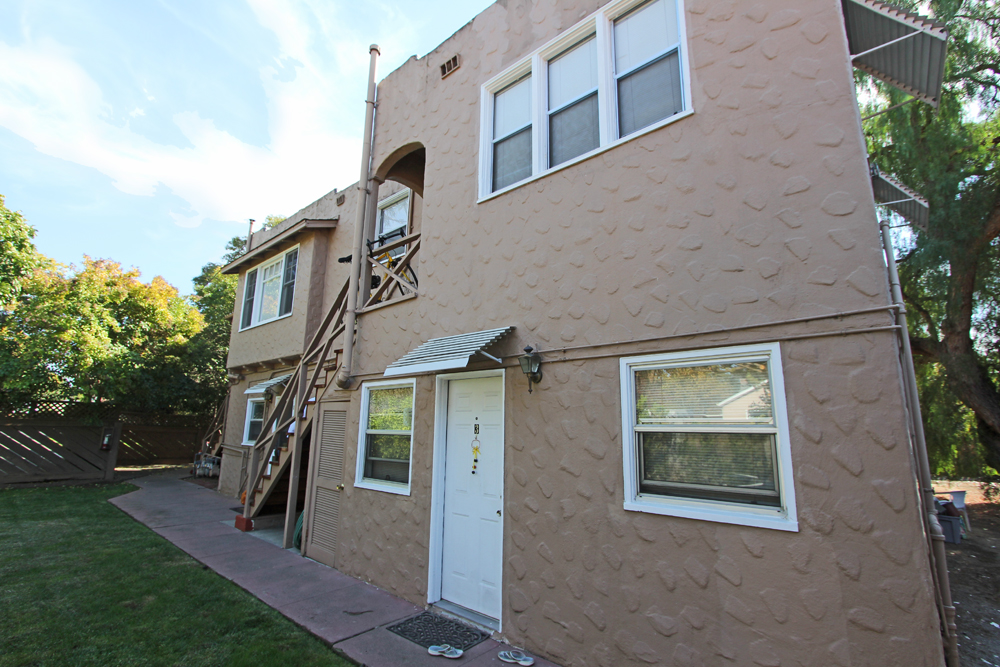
(61, 440)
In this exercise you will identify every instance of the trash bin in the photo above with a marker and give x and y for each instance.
(952, 527)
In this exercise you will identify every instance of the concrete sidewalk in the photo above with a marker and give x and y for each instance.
(343, 611)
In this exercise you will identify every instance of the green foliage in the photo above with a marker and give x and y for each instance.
(18, 256)
(99, 333)
(952, 442)
(85, 585)
(215, 297)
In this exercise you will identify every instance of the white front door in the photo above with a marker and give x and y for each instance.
(473, 498)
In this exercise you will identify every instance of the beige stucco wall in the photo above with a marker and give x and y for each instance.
(755, 209)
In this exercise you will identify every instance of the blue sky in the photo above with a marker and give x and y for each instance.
(148, 131)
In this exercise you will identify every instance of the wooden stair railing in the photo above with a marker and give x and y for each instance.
(293, 407)
(393, 279)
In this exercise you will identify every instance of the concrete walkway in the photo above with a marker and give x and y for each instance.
(341, 610)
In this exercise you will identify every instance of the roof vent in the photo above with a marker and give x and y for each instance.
(450, 66)
(341, 199)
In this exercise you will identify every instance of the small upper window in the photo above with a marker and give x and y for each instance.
(394, 219)
(614, 74)
(647, 66)
(386, 437)
(269, 290)
(707, 436)
(573, 109)
(512, 134)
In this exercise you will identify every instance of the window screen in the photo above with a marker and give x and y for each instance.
(512, 134)
(270, 291)
(573, 109)
(707, 431)
(388, 434)
(647, 66)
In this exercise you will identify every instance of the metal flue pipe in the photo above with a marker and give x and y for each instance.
(343, 378)
(938, 555)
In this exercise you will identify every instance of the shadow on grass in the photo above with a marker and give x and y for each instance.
(81, 584)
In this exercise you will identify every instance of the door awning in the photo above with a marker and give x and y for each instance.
(902, 49)
(261, 387)
(897, 197)
(448, 352)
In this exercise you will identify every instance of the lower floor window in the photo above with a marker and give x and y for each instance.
(255, 420)
(386, 436)
(705, 436)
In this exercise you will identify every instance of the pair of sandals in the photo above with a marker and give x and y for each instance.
(516, 657)
(513, 656)
(446, 650)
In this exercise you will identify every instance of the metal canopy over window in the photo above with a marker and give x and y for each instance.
(278, 383)
(448, 352)
(902, 49)
(897, 197)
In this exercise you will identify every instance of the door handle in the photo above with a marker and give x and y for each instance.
(498, 513)
(340, 487)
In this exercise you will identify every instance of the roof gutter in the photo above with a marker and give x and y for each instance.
(343, 378)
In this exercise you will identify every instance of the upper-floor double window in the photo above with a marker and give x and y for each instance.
(620, 71)
(269, 289)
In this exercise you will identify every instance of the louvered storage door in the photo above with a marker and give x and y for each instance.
(329, 473)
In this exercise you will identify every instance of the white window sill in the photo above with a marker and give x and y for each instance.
(586, 156)
(386, 487)
(258, 324)
(704, 511)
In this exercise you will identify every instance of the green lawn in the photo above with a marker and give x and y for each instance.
(81, 584)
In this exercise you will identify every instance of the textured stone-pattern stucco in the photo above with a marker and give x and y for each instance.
(754, 209)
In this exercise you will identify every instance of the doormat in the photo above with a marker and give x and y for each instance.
(429, 629)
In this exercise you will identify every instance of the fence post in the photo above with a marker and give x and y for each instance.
(112, 459)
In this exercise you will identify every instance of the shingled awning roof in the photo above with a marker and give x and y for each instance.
(902, 49)
(447, 352)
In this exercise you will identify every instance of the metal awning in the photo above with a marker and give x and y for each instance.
(897, 197)
(448, 352)
(902, 49)
(261, 387)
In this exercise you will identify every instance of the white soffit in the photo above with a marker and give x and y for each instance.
(897, 197)
(446, 353)
(902, 49)
(261, 387)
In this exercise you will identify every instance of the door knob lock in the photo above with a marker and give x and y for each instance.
(498, 513)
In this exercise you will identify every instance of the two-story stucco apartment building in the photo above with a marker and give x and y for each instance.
(670, 202)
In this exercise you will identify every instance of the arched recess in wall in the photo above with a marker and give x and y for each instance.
(405, 165)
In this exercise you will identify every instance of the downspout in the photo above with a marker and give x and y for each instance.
(938, 556)
(343, 378)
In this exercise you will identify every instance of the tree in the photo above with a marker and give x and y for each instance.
(18, 256)
(950, 269)
(215, 298)
(97, 334)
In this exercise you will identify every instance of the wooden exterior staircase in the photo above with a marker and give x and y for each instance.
(276, 450)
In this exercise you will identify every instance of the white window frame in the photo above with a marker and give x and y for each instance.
(258, 289)
(360, 481)
(246, 425)
(782, 518)
(600, 24)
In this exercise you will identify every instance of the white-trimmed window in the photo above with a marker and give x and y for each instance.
(385, 436)
(617, 73)
(269, 290)
(706, 436)
(254, 420)
(394, 219)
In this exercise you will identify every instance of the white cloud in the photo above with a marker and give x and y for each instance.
(50, 100)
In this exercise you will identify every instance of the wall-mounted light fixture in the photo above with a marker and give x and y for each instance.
(531, 366)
